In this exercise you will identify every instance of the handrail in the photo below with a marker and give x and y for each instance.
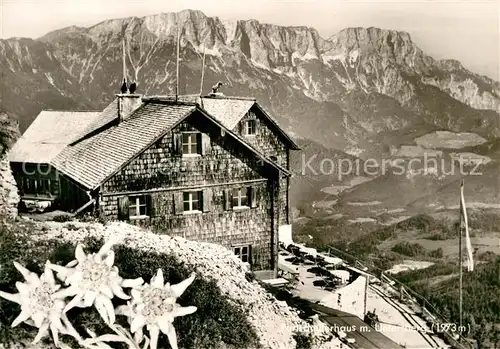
(449, 335)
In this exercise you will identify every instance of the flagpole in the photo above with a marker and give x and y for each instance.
(366, 293)
(460, 261)
(177, 62)
(202, 72)
(123, 58)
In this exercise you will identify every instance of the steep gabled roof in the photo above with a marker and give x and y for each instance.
(250, 147)
(94, 159)
(49, 134)
(230, 110)
(110, 113)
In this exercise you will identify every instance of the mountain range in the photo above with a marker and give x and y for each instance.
(362, 93)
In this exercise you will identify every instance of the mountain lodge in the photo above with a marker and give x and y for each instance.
(212, 168)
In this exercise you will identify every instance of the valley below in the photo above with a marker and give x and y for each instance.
(427, 184)
(407, 224)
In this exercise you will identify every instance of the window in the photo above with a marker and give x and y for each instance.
(43, 186)
(29, 186)
(191, 143)
(36, 186)
(192, 201)
(251, 127)
(137, 206)
(243, 252)
(240, 197)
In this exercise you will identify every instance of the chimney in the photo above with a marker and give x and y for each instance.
(127, 104)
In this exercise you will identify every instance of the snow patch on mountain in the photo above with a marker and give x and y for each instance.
(50, 79)
(230, 27)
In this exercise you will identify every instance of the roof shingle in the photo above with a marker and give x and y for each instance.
(228, 111)
(93, 160)
(49, 133)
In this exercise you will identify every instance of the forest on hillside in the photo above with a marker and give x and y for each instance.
(481, 297)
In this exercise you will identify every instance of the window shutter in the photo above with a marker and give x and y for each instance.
(150, 205)
(241, 127)
(257, 125)
(207, 199)
(178, 203)
(205, 144)
(177, 143)
(253, 197)
(227, 199)
(123, 205)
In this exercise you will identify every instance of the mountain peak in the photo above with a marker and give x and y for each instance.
(366, 36)
(189, 14)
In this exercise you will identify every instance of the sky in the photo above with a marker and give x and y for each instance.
(460, 29)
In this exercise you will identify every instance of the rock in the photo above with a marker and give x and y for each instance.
(275, 323)
(9, 197)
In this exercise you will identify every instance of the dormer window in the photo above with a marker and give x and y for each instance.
(251, 127)
(191, 143)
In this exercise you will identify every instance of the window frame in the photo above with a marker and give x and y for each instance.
(190, 201)
(248, 127)
(240, 253)
(134, 202)
(239, 197)
(197, 144)
(36, 186)
(44, 185)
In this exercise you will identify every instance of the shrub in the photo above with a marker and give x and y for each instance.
(487, 256)
(437, 253)
(409, 249)
(304, 341)
(62, 218)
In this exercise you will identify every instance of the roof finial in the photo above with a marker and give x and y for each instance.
(133, 87)
(124, 86)
(216, 87)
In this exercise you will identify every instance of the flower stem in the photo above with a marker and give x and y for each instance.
(126, 336)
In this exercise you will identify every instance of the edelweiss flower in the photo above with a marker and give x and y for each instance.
(154, 306)
(94, 281)
(40, 305)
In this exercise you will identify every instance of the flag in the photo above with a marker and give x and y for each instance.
(464, 226)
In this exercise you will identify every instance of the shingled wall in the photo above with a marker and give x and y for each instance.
(266, 139)
(163, 174)
(269, 142)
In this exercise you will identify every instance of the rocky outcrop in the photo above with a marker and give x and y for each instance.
(9, 197)
(274, 322)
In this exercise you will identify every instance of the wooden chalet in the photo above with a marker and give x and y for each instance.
(213, 168)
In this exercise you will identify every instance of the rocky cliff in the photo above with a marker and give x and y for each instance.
(9, 197)
(339, 91)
